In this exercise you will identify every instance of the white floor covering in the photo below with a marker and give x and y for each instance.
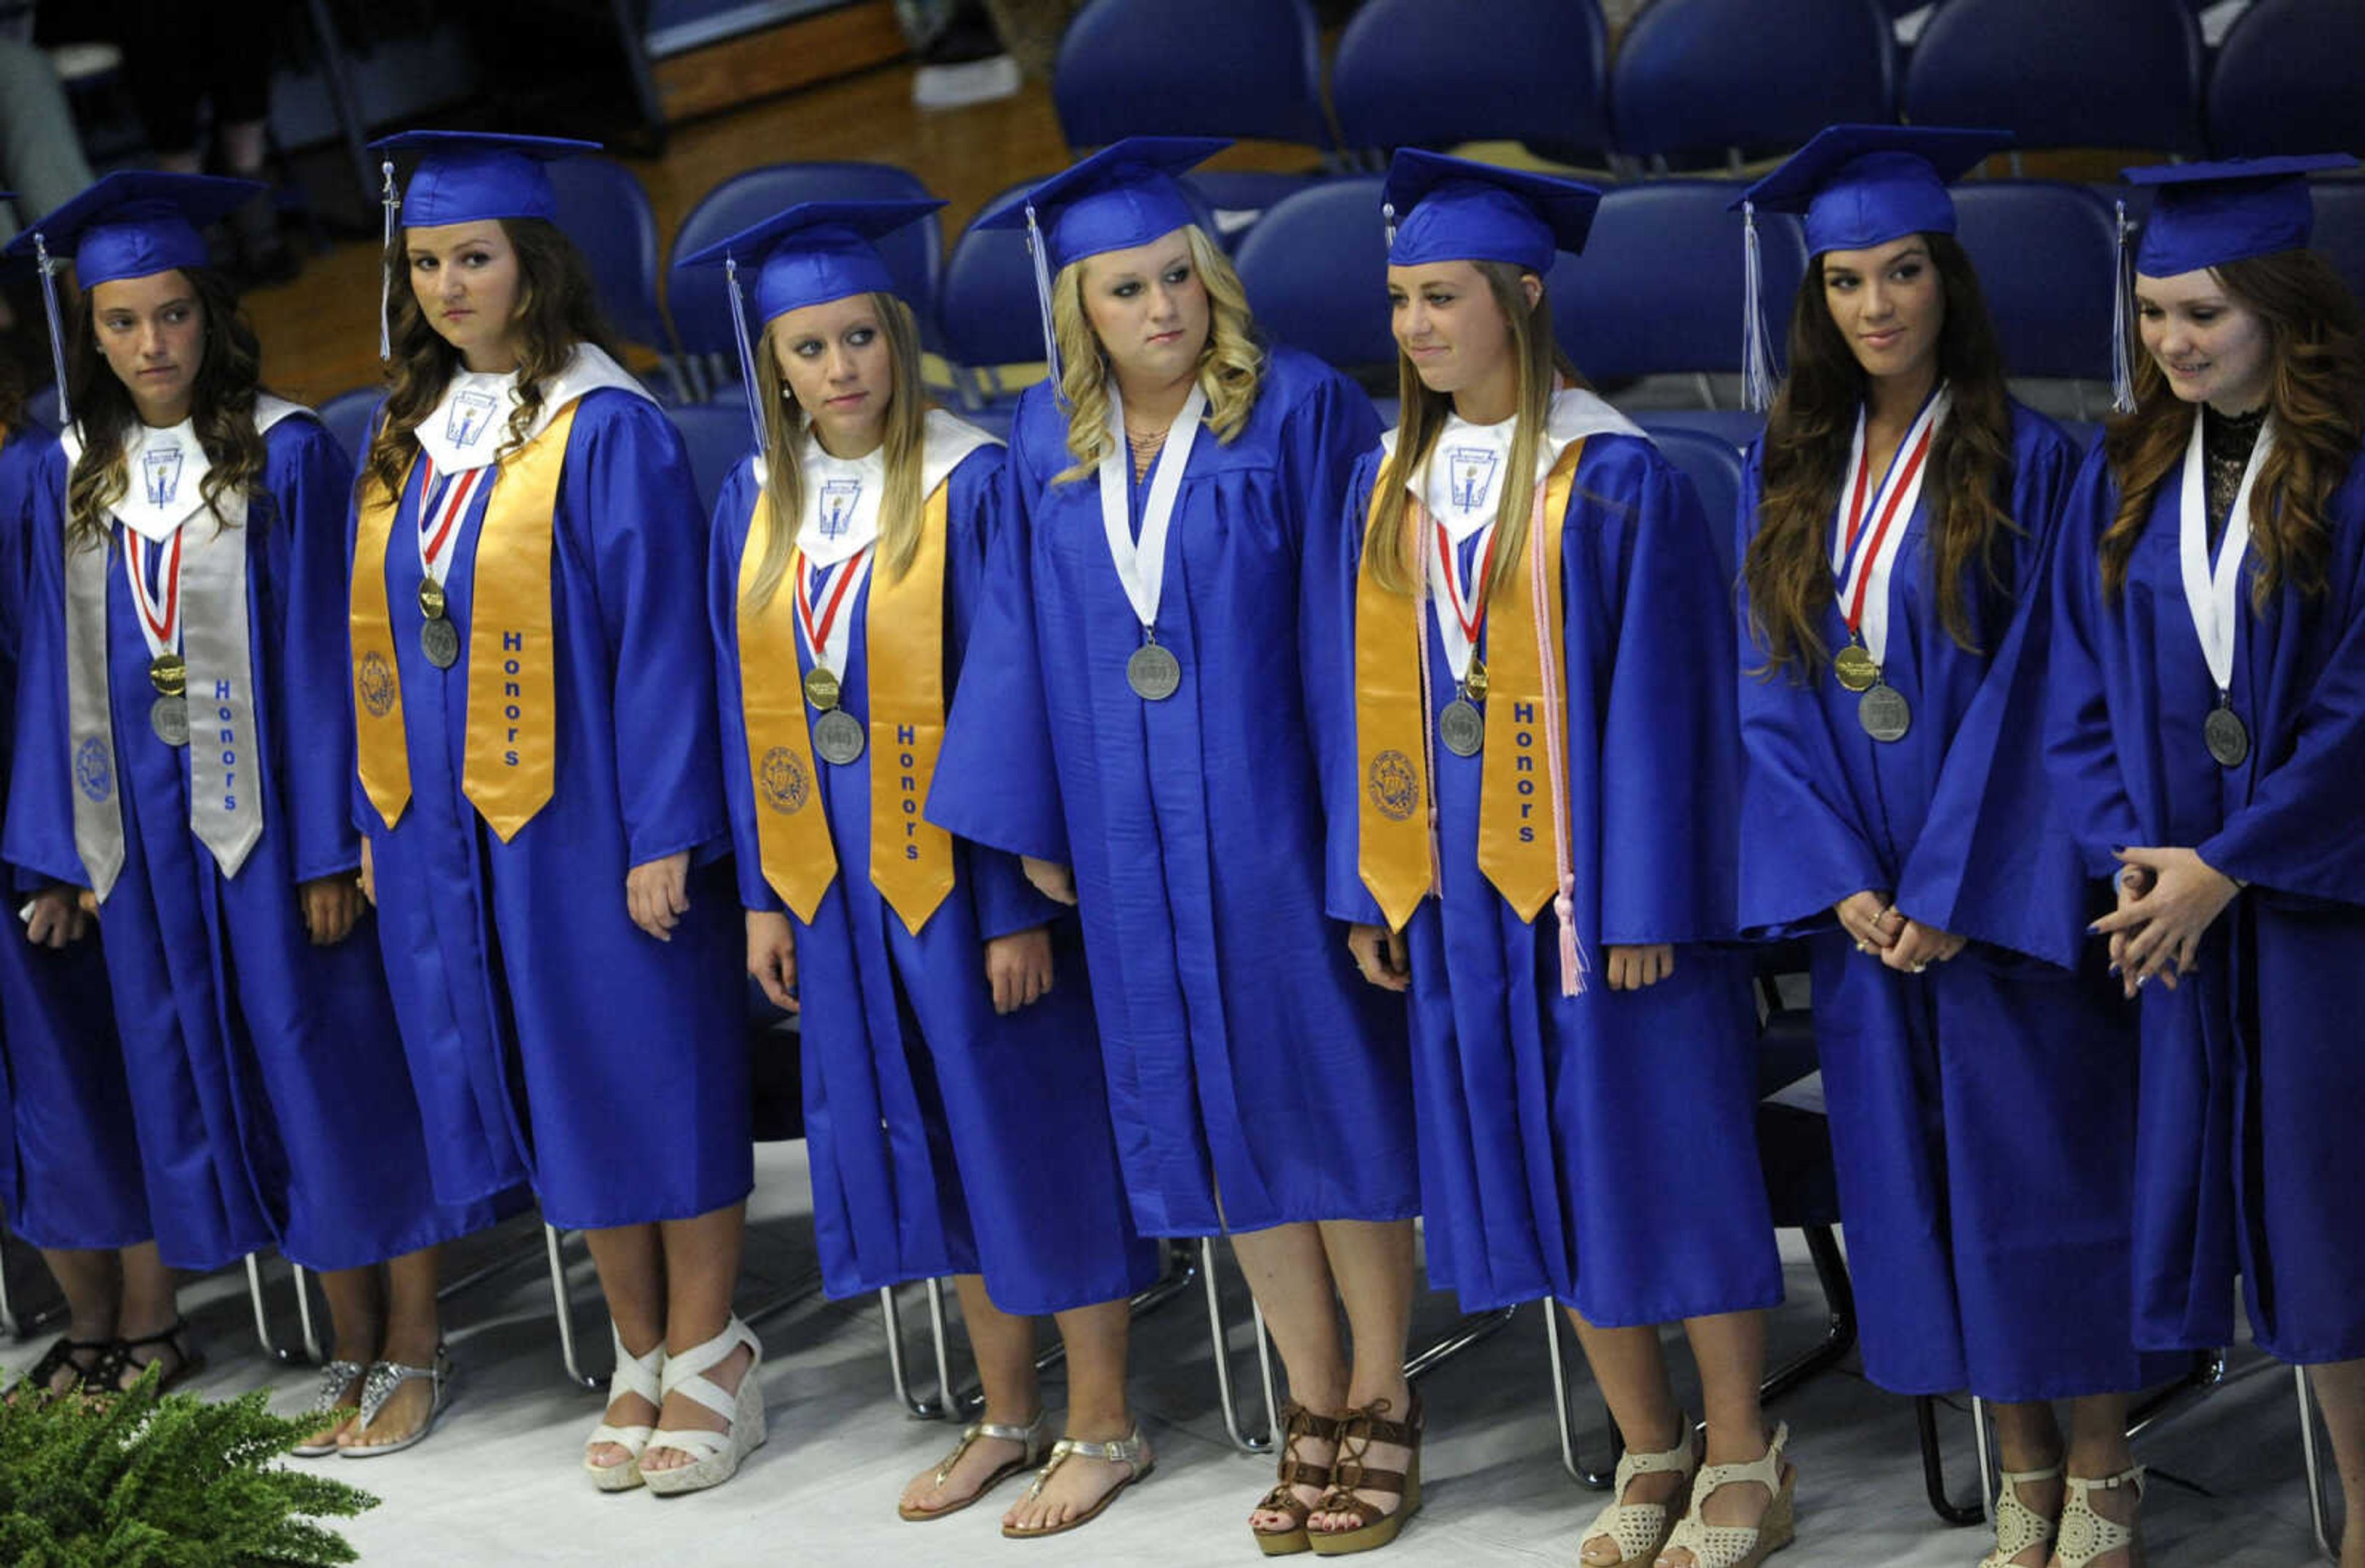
(498, 1483)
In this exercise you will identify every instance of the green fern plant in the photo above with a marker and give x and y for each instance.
(161, 1481)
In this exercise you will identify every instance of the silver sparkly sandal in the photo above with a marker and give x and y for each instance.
(337, 1380)
(384, 1377)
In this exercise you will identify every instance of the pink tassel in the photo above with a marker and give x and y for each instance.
(1572, 953)
(1572, 969)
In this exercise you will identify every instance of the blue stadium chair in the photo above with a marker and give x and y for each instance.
(2286, 80)
(2340, 229)
(1702, 76)
(2046, 253)
(1658, 289)
(695, 297)
(1315, 271)
(604, 209)
(347, 417)
(715, 436)
(1140, 68)
(2115, 73)
(1415, 74)
(1713, 465)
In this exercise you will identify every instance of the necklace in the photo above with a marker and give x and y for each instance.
(1144, 446)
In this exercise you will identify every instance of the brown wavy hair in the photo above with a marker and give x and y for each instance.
(784, 436)
(230, 376)
(1422, 415)
(557, 307)
(2316, 387)
(1787, 567)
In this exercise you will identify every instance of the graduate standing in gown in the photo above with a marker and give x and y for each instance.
(541, 791)
(1133, 720)
(954, 1099)
(1897, 521)
(179, 754)
(1532, 724)
(2207, 732)
(70, 1174)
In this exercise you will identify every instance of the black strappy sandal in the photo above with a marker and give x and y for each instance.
(119, 1360)
(58, 1358)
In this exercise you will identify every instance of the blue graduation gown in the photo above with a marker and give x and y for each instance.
(265, 1079)
(946, 1138)
(1245, 1054)
(1982, 1112)
(1540, 1115)
(70, 1175)
(551, 1039)
(2247, 1146)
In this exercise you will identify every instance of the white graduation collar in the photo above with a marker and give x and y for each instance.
(1574, 414)
(469, 424)
(166, 469)
(946, 441)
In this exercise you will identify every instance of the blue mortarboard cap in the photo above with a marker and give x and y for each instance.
(807, 254)
(1861, 185)
(2205, 215)
(815, 252)
(465, 176)
(1123, 195)
(1450, 210)
(136, 223)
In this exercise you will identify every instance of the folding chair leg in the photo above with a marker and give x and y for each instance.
(271, 1347)
(1989, 1477)
(1933, 1469)
(1839, 1324)
(1221, 1336)
(2319, 1506)
(8, 1324)
(304, 1315)
(565, 1304)
(1181, 1272)
(1599, 1480)
(921, 1408)
(1477, 1326)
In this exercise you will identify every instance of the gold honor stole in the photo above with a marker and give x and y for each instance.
(1396, 815)
(911, 859)
(512, 759)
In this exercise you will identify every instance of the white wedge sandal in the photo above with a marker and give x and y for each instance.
(1741, 1546)
(2019, 1527)
(2085, 1534)
(634, 1374)
(714, 1456)
(1641, 1530)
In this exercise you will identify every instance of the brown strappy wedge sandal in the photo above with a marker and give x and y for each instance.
(1296, 1422)
(1360, 1429)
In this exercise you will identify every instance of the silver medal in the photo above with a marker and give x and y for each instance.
(1462, 727)
(169, 717)
(2229, 738)
(439, 641)
(1154, 674)
(837, 738)
(1884, 714)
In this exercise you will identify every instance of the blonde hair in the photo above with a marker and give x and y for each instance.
(1231, 363)
(1391, 548)
(784, 436)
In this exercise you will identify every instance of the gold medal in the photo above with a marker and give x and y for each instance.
(169, 675)
(431, 599)
(1854, 668)
(1473, 685)
(821, 688)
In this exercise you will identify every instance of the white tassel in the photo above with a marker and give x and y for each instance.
(747, 349)
(1756, 354)
(392, 203)
(2123, 307)
(1388, 221)
(1041, 251)
(48, 271)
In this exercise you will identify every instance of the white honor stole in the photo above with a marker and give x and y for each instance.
(197, 611)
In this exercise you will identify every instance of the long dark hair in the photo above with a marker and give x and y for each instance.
(557, 307)
(1787, 569)
(2315, 389)
(230, 375)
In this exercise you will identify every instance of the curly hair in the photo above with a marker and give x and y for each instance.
(2316, 388)
(557, 307)
(784, 429)
(230, 377)
(1231, 362)
(1808, 433)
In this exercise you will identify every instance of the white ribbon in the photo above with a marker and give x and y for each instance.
(1865, 546)
(1141, 566)
(2213, 596)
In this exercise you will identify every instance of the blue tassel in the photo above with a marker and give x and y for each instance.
(1040, 251)
(746, 350)
(1757, 357)
(48, 271)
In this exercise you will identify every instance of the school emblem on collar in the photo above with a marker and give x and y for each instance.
(159, 475)
(837, 501)
(471, 416)
(1471, 470)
